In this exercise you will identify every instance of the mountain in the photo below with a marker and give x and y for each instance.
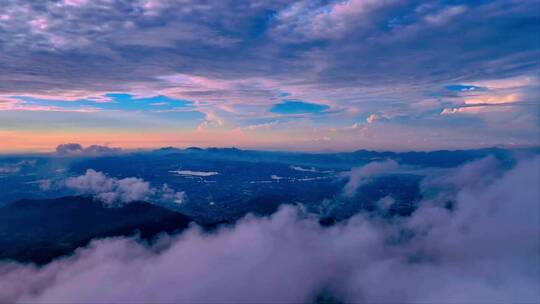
(40, 230)
(344, 160)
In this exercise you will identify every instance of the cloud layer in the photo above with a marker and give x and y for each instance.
(483, 249)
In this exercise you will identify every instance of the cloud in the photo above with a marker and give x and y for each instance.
(445, 15)
(10, 168)
(194, 173)
(301, 169)
(360, 175)
(211, 120)
(494, 99)
(267, 125)
(77, 149)
(485, 249)
(115, 191)
(110, 190)
(97, 149)
(69, 148)
(473, 174)
(167, 194)
(44, 184)
(15, 104)
(305, 20)
(372, 118)
(442, 188)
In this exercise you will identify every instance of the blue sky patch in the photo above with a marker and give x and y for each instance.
(119, 101)
(464, 88)
(292, 106)
(159, 102)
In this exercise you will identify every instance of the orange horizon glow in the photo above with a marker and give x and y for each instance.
(47, 141)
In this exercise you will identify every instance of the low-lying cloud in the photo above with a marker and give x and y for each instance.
(484, 249)
(194, 173)
(360, 175)
(11, 168)
(74, 149)
(112, 190)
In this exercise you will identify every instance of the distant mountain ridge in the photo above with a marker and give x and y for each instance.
(439, 158)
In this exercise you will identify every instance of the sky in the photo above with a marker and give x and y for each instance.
(280, 75)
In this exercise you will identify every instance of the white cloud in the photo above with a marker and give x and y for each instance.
(43, 184)
(170, 195)
(372, 118)
(111, 190)
(445, 15)
(472, 174)
(211, 120)
(301, 169)
(194, 173)
(360, 175)
(11, 168)
(275, 177)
